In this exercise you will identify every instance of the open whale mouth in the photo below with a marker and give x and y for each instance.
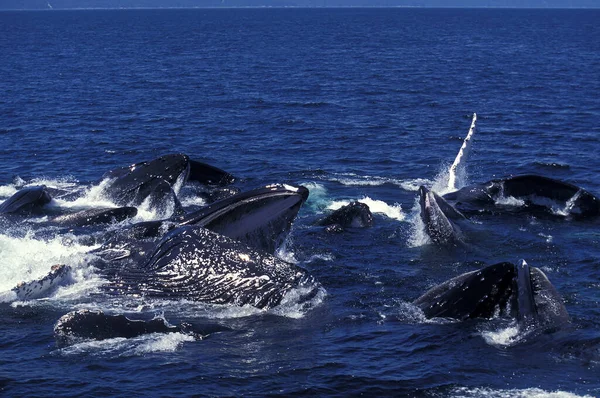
(538, 303)
(427, 204)
(437, 216)
(555, 197)
(526, 309)
(261, 218)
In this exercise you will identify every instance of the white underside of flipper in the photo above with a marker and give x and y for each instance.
(457, 172)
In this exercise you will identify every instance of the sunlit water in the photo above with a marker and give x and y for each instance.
(355, 104)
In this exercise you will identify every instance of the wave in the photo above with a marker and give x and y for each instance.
(123, 347)
(470, 392)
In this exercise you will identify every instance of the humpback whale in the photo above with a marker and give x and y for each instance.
(96, 216)
(84, 324)
(131, 185)
(352, 215)
(439, 218)
(155, 180)
(209, 175)
(200, 265)
(218, 193)
(503, 289)
(59, 274)
(96, 325)
(261, 218)
(26, 200)
(527, 193)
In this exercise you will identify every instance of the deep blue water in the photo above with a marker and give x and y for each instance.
(352, 103)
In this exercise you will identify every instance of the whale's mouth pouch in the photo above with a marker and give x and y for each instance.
(477, 294)
(538, 301)
(526, 307)
(439, 216)
(261, 218)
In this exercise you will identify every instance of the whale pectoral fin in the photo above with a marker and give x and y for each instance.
(59, 275)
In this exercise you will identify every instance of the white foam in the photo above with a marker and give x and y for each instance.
(66, 183)
(353, 179)
(7, 191)
(319, 257)
(122, 347)
(292, 306)
(179, 183)
(376, 206)
(509, 201)
(408, 312)
(285, 252)
(148, 212)
(440, 182)
(192, 200)
(168, 342)
(503, 337)
(26, 258)
(317, 198)
(92, 197)
(469, 392)
(413, 185)
(417, 235)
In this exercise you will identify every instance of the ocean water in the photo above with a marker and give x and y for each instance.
(355, 104)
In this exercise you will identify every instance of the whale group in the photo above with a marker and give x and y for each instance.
(225, 252)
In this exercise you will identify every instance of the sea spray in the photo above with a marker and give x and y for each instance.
(376, 206)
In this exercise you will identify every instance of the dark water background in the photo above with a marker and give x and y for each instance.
(354, 104)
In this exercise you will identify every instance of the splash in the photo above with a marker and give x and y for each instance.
(169, 342)
(66, 184)
(353, 179)
(376, 206)
(188, 200)
(503, 337)
(467, 392)
(413, 185)
(317, 199)
(122, 347)
(408, 312)
(92, 197)
(26, 258)
(417, 235)
(285, 251)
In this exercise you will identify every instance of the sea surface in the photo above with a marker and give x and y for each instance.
(354, 104)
